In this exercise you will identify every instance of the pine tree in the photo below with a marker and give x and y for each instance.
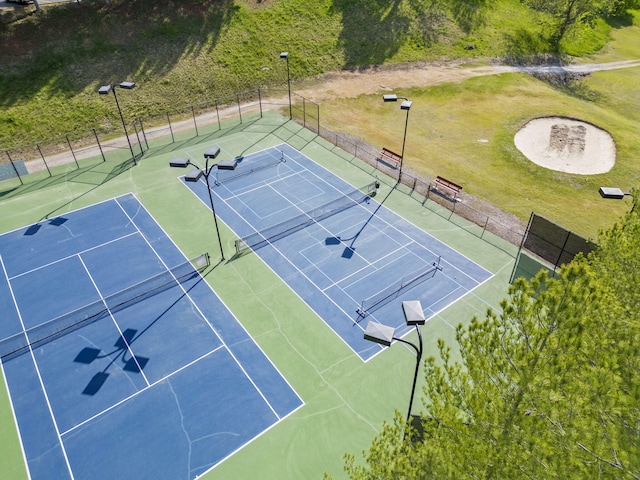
(548, 387)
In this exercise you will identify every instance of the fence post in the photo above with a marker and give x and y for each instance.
(260, 102)
(144, 134)
(95, 134)
(135, 127)
(484, 229)
(304, 113)
(45, 162)
(239, 108)
(70, 148)
(562, 250)
(195, 123)
(170, 129)
(14, 168)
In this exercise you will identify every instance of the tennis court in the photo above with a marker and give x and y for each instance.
(338, 247)
(120, 360)
(294, 334)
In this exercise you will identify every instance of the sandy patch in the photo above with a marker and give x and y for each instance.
(567, 145)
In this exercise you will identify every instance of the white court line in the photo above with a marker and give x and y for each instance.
(15, 421)
(6, 383)
(255, 188)
(196, 307)
(135, 394)
(104, 301)
(392, 226)
(62, 259)
(44, 391)
(39, 222)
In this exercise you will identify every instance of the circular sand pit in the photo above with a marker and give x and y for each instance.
(567, 145)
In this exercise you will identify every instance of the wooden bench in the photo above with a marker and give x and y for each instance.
(388, 155)
(448, 184)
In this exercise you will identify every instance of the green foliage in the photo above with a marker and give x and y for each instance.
(546, 388)
(183, 53)
(563, 17)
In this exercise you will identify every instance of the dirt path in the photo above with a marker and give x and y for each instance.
(350, 84)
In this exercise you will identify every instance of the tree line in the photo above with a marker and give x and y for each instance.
(547, 387)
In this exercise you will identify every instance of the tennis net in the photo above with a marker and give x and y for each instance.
(275, 232)
(39, 335)
(223, 177)
(394, 290)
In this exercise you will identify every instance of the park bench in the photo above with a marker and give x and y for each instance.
(390, 156)
(448, 184)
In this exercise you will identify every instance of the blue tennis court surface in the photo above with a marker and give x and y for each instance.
(355, 262)
(163, 382)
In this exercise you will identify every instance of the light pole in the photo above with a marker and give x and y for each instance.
(405, 105)
(385, 335)
(194, 176)
(104, 90)
(285, 55)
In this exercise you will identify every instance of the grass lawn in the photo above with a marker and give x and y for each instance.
(464, 131)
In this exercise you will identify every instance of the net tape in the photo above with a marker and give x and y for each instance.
(275, 232)
(222, 178)
(394, 290)
(39, 335)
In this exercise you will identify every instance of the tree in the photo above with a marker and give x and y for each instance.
(563, 15)
(547, 388)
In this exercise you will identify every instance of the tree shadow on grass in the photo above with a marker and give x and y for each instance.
(83, 37)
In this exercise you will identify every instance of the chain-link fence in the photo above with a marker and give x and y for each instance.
(83, 150)
(457, 208)
(547, 245)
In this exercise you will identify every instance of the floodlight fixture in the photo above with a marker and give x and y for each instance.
(413, 313)
(405, 105)
(285, 55)
(180, 162)
(104, 90)
(385, 335)
(617, 194)
(195, 175)
(612, 192)
(379, 333)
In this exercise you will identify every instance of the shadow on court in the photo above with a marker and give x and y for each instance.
(92, 175)
(254, 126)
(133, 364)
(117, 170)
(350, 249)
(56, 222)
(122, 351)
